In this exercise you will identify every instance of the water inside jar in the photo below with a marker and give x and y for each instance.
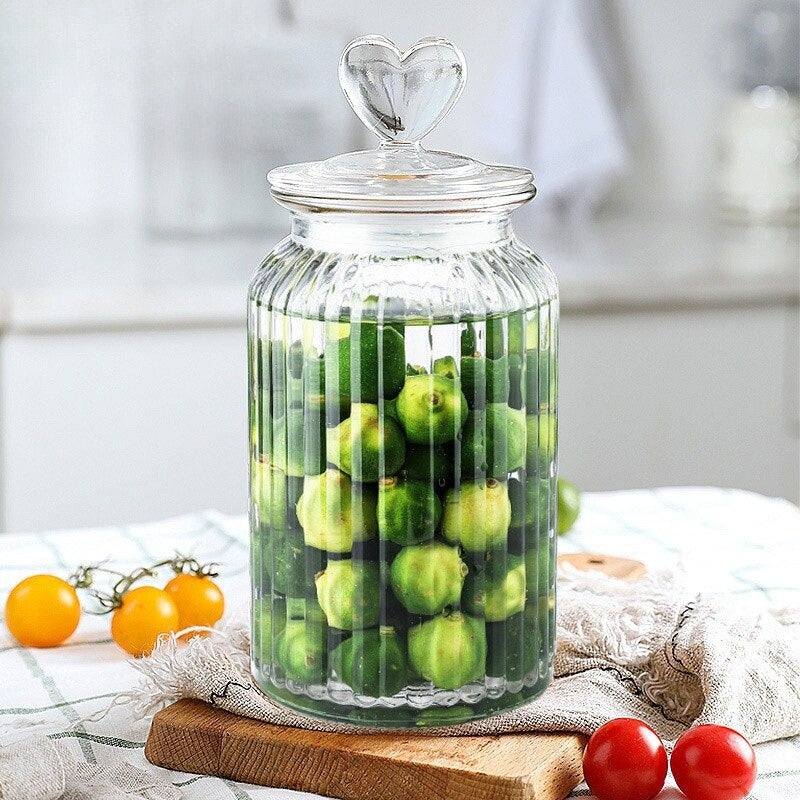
(403, 514)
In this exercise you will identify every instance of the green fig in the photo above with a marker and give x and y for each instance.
(298, 443)
(495, 337)
(540, 568)
(334, 513)
(295, 359)
(516, 382)
(513, 644)
(434, 465)
(512, 420)
(542, 437)
(469, 339)
(446, 366)
(278, 560)
(493, 441)
(390, 409)
(365, 446)
(268, 532)
(372, 662)
(493, 597)
(260, 418)
(313, 373)
(268, 493)
(431, 409)
(408, 511)
(272, 354)
(302, 649)
(516, 333)
(260, 556)
(291, 563)
(541, 382)
(352, 365)
(349, 593)
(449, 651)
(268, 621)
(332, 407)
(484, 380)
(286, 446)
(530, 504)
(306, 609)
(428, 577)
(265, 571)
(477, 515)
(294, 491)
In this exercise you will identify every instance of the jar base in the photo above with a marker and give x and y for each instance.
(403, 715)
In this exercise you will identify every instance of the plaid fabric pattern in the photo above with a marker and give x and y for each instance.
(733, 542)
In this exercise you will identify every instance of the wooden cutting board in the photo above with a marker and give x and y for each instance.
(192, 736)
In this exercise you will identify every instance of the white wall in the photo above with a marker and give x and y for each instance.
(69, 72)
(700, 397)
(673, 50)
(111, 427)
(68, 130)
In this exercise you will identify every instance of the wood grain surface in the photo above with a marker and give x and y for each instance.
(192, 736)
(617, 567)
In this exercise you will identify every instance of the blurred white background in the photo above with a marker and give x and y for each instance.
(134, 140)
(73, 75)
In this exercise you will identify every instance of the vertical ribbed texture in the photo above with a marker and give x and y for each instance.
(324, 330)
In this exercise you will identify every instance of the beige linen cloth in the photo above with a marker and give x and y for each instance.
(42, 769)
(625, 648)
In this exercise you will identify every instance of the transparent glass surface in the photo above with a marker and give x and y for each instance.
(401, 97)
(403, 453)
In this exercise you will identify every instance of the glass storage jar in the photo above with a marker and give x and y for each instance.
(402, 388)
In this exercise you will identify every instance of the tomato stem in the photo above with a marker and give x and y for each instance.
(83, 578)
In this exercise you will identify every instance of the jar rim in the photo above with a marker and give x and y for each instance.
(399, 179)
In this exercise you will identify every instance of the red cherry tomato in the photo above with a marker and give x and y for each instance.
(711, 762)
(625, 760)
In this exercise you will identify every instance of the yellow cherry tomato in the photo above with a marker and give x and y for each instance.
(42, 611)
(199, 599)
(145, 614)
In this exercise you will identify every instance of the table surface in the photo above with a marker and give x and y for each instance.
(732, 542)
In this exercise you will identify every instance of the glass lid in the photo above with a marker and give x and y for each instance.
(401, 97)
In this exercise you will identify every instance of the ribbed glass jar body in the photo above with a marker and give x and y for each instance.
(403, 425)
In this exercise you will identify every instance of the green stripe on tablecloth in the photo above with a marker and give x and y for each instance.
(37, 709)
(55, 695)
(766, 776)
(191, 780)
(136, 542)
(111, 741)
(9, 647)
(56, 553)
(237, 791)
(779, 773)
(211, 523)
(208, 525)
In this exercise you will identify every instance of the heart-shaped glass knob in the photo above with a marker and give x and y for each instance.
(402, 96)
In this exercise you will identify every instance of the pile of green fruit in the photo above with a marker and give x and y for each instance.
(403, 518)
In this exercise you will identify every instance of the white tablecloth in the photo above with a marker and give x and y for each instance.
(732, 542)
